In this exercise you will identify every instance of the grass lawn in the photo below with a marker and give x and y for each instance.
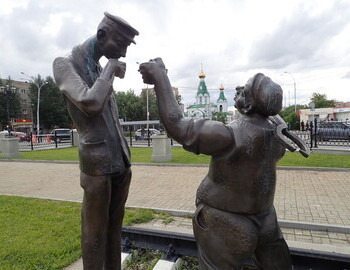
(38, 234)
(180, 156)
(44, 234)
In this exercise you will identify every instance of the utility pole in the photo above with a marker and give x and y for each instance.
(295, 91)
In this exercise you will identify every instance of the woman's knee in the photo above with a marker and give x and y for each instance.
(225, 237)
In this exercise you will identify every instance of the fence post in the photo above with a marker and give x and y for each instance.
(315, 133)
(72, 137)
(31, 141)
(56, 139)
(130, 135)
(311, 134)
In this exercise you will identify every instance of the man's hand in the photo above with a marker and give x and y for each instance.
(150, 69)
(118, 67)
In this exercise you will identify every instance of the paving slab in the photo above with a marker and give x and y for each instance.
(320, 197)
(311, 196)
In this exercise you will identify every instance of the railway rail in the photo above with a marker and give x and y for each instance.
(177, 245)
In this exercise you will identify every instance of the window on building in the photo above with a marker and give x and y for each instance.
(23, 101)
(200, 100)
(24, 111)
(2, 89)
(220, 108)
(23, 91)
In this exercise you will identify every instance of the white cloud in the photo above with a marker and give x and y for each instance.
(233, 40)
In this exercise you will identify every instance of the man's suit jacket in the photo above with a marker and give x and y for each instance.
(103, 148)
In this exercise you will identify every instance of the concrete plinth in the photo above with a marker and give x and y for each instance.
(161, 148)
(10, 147)
(3, 134)
(76, 137)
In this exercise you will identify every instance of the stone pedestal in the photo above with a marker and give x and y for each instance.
(10, 147)
(2, 136)
(161, 148)
(76, 137)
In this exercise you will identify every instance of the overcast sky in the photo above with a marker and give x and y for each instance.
(233, 39)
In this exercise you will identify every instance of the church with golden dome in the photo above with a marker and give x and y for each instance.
(203, 107)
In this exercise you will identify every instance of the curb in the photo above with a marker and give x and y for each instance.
(180, 165)
(287, 224)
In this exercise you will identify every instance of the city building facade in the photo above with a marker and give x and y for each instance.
(25, 120)
(341, 114)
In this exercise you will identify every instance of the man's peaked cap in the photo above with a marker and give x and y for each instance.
(120, 25)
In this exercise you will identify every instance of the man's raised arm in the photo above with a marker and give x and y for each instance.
(198, 136)
(89, 100)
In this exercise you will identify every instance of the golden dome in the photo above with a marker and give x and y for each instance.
(221, 87)
(201, 75)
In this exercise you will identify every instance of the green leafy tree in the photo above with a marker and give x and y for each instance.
(290, 117)
(321, 101)
(220, 116)
(52, 112)
(10, 107)
(152, 105)
(129, 105)
(134, 108)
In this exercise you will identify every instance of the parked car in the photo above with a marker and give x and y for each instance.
(22, 137)
(62, 134)
(142, 134)
(333, 131)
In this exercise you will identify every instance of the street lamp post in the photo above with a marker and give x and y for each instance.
(32, 114)
(295, 91)
(39, 86)
(147, 105)
(37, 112)
(8, 103)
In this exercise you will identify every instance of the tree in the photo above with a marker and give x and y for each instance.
(53, 112)
(129, 105)
(152, 104)
(220, 116)
(10, 107)
(290, 117)
(321, 101)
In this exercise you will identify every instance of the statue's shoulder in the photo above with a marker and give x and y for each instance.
(61, 62)
(62, 68)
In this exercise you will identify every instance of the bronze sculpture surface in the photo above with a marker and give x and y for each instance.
(235, 216)
(103, 150)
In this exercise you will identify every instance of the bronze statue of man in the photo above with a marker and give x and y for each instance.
(103, 151)
(235, 217)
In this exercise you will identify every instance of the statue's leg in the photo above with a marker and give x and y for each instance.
(272, 252)
(119, 194)
(94, 214)
(224, 240)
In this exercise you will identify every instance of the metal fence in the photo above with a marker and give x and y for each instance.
(46, 141)
(316, 137)
(142, 142)
(311, 137)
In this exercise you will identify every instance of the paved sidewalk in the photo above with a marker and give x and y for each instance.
(302, 196)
